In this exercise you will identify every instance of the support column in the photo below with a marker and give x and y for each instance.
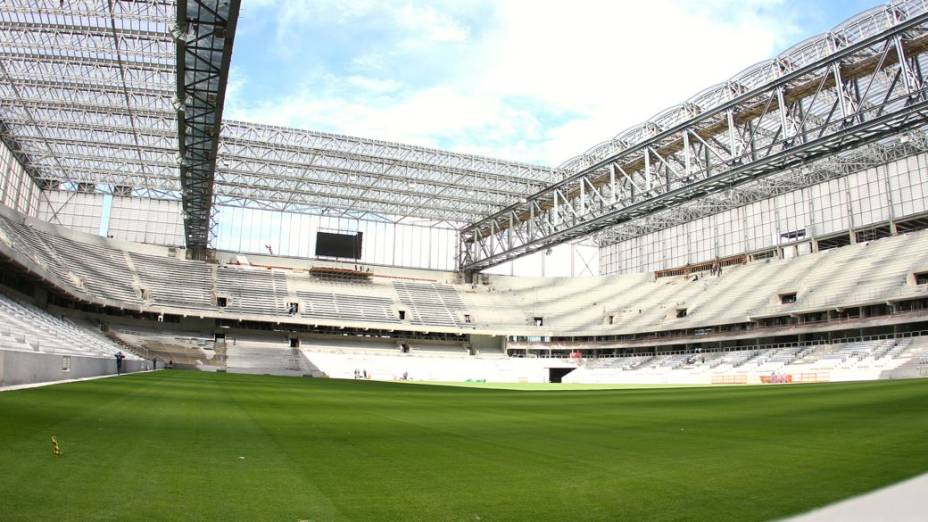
(573, 252)
(813, 233)
(850, 211)
(891, 211)
(197, 253)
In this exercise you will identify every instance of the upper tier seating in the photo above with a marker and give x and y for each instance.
(857, 274)
(346, 306)
(99, 271)
(430, 304)
(252, 291)
(152, 278)
(102, 271)
(175, 283)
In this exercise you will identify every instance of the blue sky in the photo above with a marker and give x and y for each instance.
(538, 81)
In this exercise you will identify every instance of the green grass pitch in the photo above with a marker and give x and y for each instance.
(186, 445)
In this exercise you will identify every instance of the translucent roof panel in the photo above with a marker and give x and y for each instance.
(86, 89)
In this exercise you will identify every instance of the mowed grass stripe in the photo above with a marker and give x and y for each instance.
(167, 445)
(177, 445)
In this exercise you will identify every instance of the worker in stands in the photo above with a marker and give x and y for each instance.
(119, 358)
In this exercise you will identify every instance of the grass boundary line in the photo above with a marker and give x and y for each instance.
(15, 387)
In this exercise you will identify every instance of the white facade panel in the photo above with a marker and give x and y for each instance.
(876, 195)
(76, 210)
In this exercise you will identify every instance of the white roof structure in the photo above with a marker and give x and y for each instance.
(126, 97)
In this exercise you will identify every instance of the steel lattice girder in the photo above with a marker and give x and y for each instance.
(82, 83)
(89, 94)
(205, 33)
(328, 207)
(829, 168)
(340, 174)
(859, 93)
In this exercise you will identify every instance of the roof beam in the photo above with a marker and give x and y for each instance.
(204, 34)
(852, 91)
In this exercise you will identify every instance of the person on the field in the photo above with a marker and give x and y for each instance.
(154, 363)
(119, 358)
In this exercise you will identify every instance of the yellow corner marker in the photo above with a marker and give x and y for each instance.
(56, 451)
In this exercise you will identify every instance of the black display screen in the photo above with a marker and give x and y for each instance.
(329, 244)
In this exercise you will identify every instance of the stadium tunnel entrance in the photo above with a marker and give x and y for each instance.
(556, 374)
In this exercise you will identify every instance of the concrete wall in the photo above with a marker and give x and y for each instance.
(27, 368)
(910, 370)
(487, 343)
(447, 369)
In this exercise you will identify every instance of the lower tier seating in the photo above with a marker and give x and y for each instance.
(24, 327)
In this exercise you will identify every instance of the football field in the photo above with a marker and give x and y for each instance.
(188, 445)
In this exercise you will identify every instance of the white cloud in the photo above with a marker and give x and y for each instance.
(436, 26)
(373, 85)
(540, 81)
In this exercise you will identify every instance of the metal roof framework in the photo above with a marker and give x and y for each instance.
(204, 34)
(826, 169)
(121, 96)
(85, 91)
(90, 95)
(278, 168)
(861, 83)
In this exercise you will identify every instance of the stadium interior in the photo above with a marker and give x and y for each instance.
(772, 227)
(770, 230)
